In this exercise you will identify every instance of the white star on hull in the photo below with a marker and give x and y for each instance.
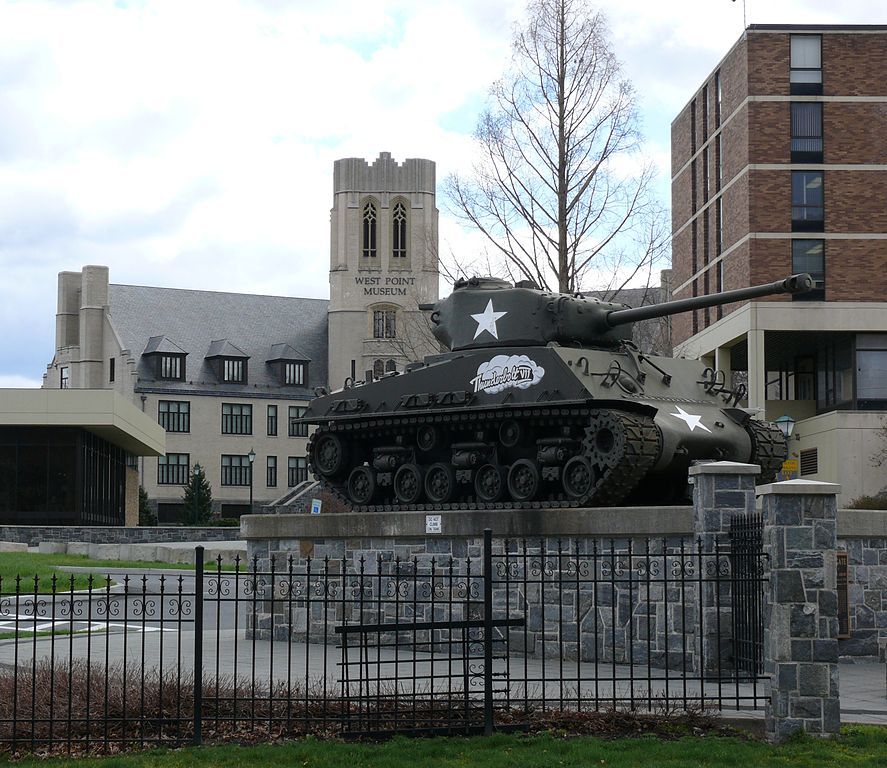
(690, 419)
(486, 320)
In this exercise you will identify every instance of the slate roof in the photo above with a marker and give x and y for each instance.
(224, 348)
(162, 344)
(284, 352)
(193, 320)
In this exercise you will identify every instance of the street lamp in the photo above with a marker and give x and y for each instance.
(786, 425)
(252, 457)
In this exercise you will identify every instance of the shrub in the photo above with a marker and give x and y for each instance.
(868, 502)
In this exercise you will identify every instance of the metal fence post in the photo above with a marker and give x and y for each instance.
(198, 645)
(488, 632)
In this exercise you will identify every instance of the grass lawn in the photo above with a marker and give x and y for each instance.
(857, 746)
(27, 565)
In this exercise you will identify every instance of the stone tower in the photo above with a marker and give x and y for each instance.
(383, 264)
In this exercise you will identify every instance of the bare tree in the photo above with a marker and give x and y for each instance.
(553, 191)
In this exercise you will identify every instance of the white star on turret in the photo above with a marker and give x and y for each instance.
(691, 420)
(486, 320)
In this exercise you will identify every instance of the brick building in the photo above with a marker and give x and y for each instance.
(779, 165)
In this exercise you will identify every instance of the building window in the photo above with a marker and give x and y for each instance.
(237, 419)
(174, 415)
(294, 374)
(390, 366)
(172, 469)
(234, 369)
(378, 368)
(806, 64)
(271, 472)
(806, 121)
(172, 367)
(235, 470)
(272, 421)
(807, 198)
(64, 377)
(399, 232)
(809, 256)
(369, 231)
(871, 371)
(111, 367)
(384, 324)
(297, 471)
(297, 430)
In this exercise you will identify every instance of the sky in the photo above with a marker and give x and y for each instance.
(190, 143)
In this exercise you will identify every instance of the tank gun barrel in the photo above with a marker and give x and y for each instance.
(795, 284)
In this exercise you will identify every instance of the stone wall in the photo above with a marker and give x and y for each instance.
(574, 592)
(866, 596)
(34, 534)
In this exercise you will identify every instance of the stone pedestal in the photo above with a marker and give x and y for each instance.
(801, 625)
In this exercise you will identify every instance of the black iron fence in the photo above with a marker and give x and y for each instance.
(515, 632)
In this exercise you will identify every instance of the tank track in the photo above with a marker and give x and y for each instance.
(621, 466)
(768, 448)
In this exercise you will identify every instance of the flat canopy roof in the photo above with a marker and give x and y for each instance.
(100, 411)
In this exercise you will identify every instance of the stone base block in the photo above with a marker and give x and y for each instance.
(52, 547)
(78, 548)
(13, 546)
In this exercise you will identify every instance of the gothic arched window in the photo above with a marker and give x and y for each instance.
(378, 368)
(390, 366)
(369, 231)
(399, 232)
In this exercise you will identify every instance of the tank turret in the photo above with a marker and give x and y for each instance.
(539, 403)
(472, 315)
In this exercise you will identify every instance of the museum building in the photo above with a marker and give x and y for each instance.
(227, 375)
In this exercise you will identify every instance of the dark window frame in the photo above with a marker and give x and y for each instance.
(177, 419)
(803, 87)
(819, 276)
(806, 216)
(806, 121)
(175, 473)
(296, 470)
(399, 231)
(236, 470)
(171, 367)
(234, 370)
(384, 323)
(297, 430)
(369, 230)
(238, 420)
(271, 420)
(271, 472)
(295, 373)
(65, 377)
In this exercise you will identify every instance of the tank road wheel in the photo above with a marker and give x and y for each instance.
(408, 484)
(361, 485)
(330, 455)
(427, 437)
(489, 483)
(579, 477)
(523, 480)
(440, 483)
(509, 433)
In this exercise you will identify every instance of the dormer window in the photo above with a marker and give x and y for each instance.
(172, 367)
(167, 358)
(289, 364)
(228, 361)
(294, 374)
(234, 369)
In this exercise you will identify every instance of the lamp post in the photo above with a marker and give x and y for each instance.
(786, 425)
(252, 457)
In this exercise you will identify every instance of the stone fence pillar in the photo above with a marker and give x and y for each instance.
(801, 608)
(722, 490)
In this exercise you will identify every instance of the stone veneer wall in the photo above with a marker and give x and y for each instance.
(567, 617)
(866, 597)
(32, 535)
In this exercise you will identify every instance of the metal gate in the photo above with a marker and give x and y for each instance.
(425, 656)
(747, 563)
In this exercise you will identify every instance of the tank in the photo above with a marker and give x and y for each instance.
(541, 401)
